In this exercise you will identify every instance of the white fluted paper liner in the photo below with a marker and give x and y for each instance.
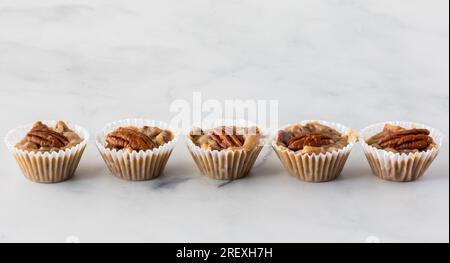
(395, 166)
(135, 165)
(311, 167)
(47, 167)
(226, 164)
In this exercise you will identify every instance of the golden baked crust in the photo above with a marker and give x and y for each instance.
(400, 140)
(42, 138)
(312, 137)
(132, 138)
(227, 138)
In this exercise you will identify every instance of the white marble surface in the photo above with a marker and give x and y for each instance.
(354, 62)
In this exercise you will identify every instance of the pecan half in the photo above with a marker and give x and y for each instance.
(313, 140)
(284, 136)
(226, 137)
(412, 139)
(129, 138)
(42, 136)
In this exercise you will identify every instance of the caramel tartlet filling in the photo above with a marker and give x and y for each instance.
(227, 138)
(42, 138)
(400, 140)
(312, 138)
(132, 138)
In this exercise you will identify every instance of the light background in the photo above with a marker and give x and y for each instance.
(354, 62)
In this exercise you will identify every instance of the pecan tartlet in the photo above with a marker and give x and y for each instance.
(136, 149)
(314, 151)
(48, 152)
(400, 151)
(225, 152)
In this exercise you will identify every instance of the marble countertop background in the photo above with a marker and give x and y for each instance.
(354, 62)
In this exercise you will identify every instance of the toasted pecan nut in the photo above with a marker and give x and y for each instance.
(226, 137)
(42, 136)
(129, 138)
(296, 143)
(401, 134)
(164, 137)
(151, 132)
(401, 140)
(414, 139)
(284, 136)
(61, 127)
(251, 142)
(416, 145)
(312, 140)
(398, 139)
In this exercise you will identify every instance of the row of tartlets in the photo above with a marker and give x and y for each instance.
(138, 149)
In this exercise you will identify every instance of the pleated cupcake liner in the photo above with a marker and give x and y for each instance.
(398, 167)
(47, 167)
(313, 167)
(135, 165)
(228, 164)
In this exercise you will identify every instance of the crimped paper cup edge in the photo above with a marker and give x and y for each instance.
(197, 153)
